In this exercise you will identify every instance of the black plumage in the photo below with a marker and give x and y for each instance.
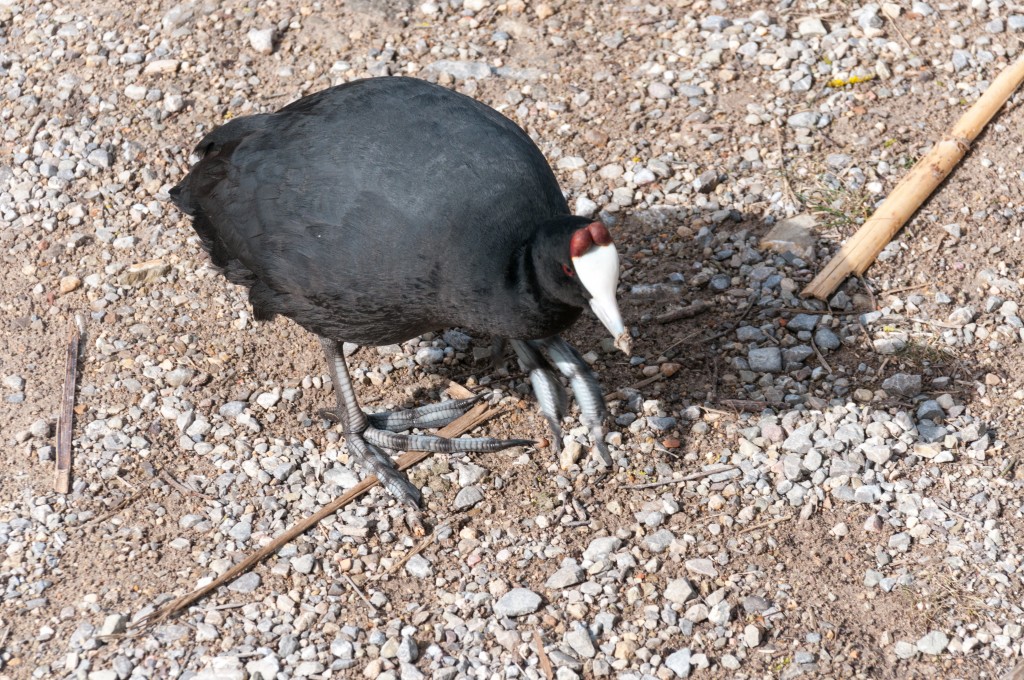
(381, 209)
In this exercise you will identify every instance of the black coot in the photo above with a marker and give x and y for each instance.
(381, 209)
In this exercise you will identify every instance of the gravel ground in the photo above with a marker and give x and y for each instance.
(799, 488)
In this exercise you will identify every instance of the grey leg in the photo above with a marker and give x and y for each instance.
(366, 455)
(584, 385)
(549, 391)
(365, 442)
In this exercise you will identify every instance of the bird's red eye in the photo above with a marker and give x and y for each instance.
(567, 270)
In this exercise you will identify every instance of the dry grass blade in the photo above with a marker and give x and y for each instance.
(469, 420)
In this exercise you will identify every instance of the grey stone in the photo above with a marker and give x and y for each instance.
(99, 158)
(680, 591)
(660, 90)
(903, 384)
(659, 541)
(470, 474)
(419, 567)
(933, 643)
(177, 16)
(812, 460)
(838, 161)
(113, 624)
(961, 59)
(241, 531)
(457, 339)
(679, 663)
(303, 563)
(799, 441)
(904, 650)
(268, 667)
(341, 476)
(826, 339)
(878, 453)
(720, 614)
(661, 424)
(429, 356)
(600, 548)
(715, 23)
(867, 493)
(930, 410)
(811, 26)
(468, 497)
(749, 334)
(765, 359)
(246, 583)
(232, 409)
(802, 322)
(568, 575)
(961, 316)
(579, 639)
(407, 650)
(792, 467)
(755, 604)
(804, 119)
(702, 567)
(793, 235)
(460, 70)
(261, 40)
(517, 602)
(751, 635)
(796, 355)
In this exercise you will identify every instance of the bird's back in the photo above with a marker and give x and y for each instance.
(373, 211)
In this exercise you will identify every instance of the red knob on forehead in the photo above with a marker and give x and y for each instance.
(599, 233)
(584, 239)
(581, 242)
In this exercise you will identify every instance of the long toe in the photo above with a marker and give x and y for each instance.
(426, 442)
(379, 464)
(424, 417)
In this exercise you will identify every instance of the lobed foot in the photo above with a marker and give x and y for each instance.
(551, 395)
(370, 437)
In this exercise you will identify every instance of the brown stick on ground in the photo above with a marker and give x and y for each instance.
(62, 477)
(466, 422)
(698, 307)
(861, 249)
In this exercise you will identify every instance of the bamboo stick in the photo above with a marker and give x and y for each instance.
(861, 249)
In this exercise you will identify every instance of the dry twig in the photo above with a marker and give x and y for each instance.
(821, 358)
(687, 312)
(688, 478)
(469, 420)
(764, 525)
(545, 662)
(62, 478)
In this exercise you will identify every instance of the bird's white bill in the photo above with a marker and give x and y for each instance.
(598, 271)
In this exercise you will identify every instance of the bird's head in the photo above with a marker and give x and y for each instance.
(586, 271)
